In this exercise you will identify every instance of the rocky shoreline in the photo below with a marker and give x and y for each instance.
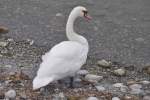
(103, 80)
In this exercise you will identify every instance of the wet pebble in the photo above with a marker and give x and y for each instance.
(145, 82)
(59, 96)
(146, 97)
(119, 72)
(130, 97)
(93, 78)
(118, 85)
(115, 98)
(92, 98)
(4, 29)
(3, 43)
(135, 86)
(10, 94)
(59, 14)
(136, 89)
(100, 88)
(104, 63)
(146, 69)
(140, 39)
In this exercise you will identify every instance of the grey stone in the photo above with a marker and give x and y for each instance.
(10, 94)
(146, 97)
(115, 98)
(145, 82)
(92, 98)
(93, 78)
(119, 72)
(136, 89)
(3, 43)
(59, 14)
(103, 63)
(100, 88)
(118, 85)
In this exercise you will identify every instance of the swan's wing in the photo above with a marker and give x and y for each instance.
(62, 58)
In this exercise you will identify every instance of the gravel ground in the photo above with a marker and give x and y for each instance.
(37, 25)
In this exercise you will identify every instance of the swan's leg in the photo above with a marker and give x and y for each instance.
(71, 82)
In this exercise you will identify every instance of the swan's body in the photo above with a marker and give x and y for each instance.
(65, 58)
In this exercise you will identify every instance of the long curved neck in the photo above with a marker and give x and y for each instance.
(71, 35)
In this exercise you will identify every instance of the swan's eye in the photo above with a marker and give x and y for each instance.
(85, 12)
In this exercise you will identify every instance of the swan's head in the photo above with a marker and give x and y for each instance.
(81, 12)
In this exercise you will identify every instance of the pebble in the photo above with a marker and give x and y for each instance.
(93, 78)
(3, 44)
(92, 98)
(104, 63)
(136, 89)
(59, 14)
(122, 87)
(10, 40)
(146, 98)
(145, 82)
(118, 85)
(4, 29)
(10, 94)
(139, 39)
(130, 97)
(130, 82)
(100, 88)
(82, 72)
(119, 72)
(59, 96)
(115, 98)
(146, 69)
(135, 86)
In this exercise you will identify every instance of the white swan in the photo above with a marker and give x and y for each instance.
(65, 58)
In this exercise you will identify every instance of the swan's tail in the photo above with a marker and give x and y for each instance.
(40, 82)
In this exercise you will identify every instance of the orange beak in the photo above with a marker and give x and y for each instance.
(88, 17)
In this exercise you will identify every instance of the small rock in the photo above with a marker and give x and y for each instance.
(8, 66)
(135, 86)
(132, 97)
(115, 98)
(146, 98)
(10, 94)
(10, 40)
(92, 98)
(100, 88)
(3, 44)
(139, 39)
(82, 72)
(145, 82)
(136, 89)
(146, 69)
(119, 72)
(118, 85)
(62, 96)
(93, 78)
(3, 29)
(59, 14)
(122, 87)
(104, 63)
(130, 82)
